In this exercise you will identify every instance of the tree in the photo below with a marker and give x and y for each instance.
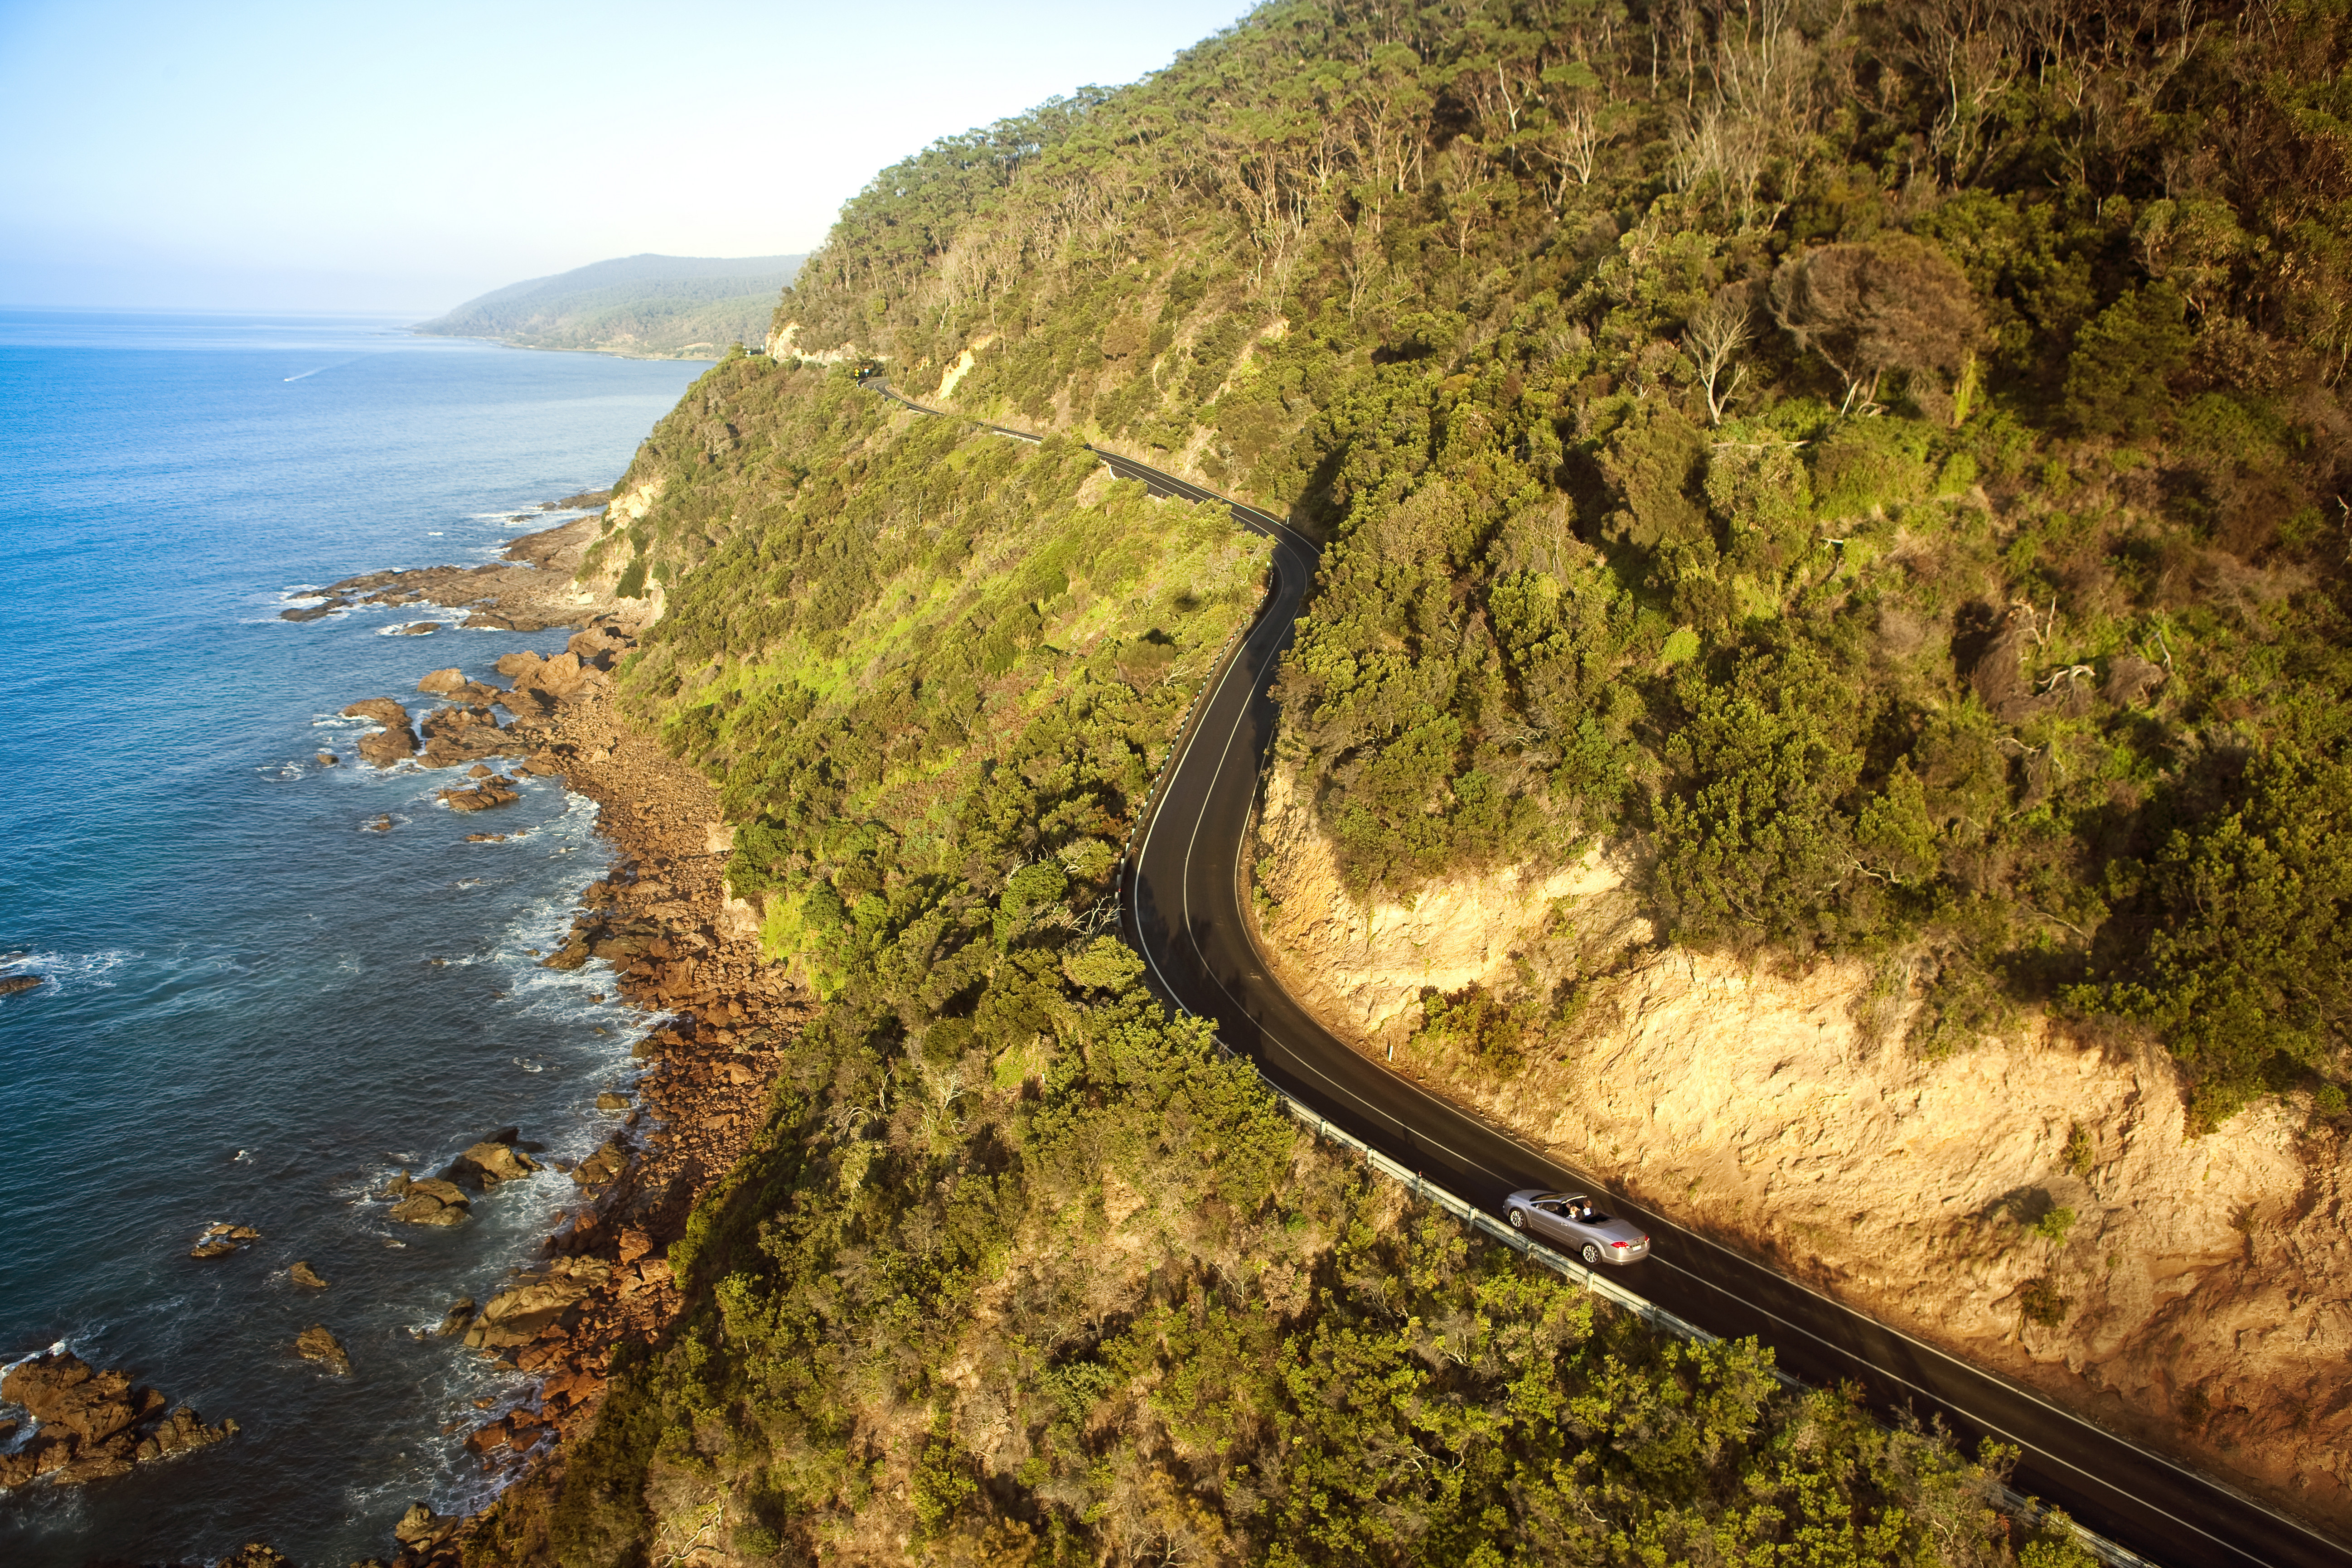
(1892, 304)
(2119, 377)
(1715, 331)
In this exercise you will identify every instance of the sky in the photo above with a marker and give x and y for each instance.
(403, 158)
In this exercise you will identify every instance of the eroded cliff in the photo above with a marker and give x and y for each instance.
(2035, 1204)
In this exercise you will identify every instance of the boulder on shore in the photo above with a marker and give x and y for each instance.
(420, 1529)
(601, 1167)
(317, 1344)
(517, 1315)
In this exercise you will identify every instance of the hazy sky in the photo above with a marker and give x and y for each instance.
(323, 156)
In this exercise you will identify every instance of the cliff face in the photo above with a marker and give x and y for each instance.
(2199, 1299)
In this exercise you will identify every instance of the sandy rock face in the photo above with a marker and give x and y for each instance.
(2202, 1288)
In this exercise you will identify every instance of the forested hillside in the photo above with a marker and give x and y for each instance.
(1021, 1269)
(1881, 468)
(648, 307)
(1877, 468)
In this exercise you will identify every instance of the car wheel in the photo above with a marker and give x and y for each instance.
(1518, 1219)
(1591, 1253)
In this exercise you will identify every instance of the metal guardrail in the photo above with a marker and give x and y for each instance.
(2030, 1510)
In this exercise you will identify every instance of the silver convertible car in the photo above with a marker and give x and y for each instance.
(1570, 1222)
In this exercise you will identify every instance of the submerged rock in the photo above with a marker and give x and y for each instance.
(317, 1344)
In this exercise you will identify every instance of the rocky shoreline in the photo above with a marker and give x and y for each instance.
(661, 918)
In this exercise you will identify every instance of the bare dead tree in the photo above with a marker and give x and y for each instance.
(1712, 337)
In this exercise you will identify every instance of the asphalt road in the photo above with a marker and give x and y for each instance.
(1184, 911)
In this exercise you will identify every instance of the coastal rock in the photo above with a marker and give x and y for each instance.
(377, 824)
(12, 984)
(466, 734)
(432, 1200)
(491, 792)
(442, 682)
(317, 1344)
(598, 645)
(453, 1321)
(256, 1555)
(221, 1238)
(328, 759)
(572, 955)
(421, 1530)
(486, 838)
(485, 1164)
(608, 1162)
(418, 629)
(315, 612)
(518, 1314)
(612, 1100)
(303, 1274)
(397, 742)
(89, 1422)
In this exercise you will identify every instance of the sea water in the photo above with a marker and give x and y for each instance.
(252, 1009)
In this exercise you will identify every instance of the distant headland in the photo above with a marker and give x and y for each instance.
(648, 307)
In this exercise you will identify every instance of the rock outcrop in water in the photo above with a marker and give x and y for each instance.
(395, 742)
(429, 1201)
(316, 1344)
(221, 1239)
(498, 1158)
(93, 1423)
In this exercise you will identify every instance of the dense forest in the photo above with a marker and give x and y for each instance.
(1876, 470)
(1879, 467)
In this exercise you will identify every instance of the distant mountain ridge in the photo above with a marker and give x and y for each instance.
(650, 307)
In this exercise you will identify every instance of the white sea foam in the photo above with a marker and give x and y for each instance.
(71, 972)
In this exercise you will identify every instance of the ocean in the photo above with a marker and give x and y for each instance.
(250, 1009)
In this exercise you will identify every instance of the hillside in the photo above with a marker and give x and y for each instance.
(1874, 477)
(648, 307)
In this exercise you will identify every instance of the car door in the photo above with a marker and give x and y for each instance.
(1550, 1223)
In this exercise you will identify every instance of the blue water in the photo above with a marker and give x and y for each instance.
(240, 1019)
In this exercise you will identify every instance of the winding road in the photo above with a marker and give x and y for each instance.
(1183, 909)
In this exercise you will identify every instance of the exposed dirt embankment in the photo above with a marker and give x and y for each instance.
(2201, 1291)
